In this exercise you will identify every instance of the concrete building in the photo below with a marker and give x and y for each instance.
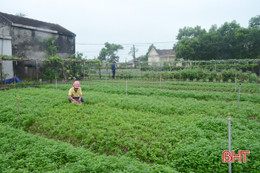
(158, 57)
(23, 37)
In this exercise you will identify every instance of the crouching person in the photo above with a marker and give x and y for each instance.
(75, 93)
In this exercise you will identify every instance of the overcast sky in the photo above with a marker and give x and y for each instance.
(128, 22)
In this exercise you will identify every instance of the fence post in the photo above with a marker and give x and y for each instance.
(36, 70)
(160, 81)
(140, 70)
(239, 95)
(84, 71)
(99, 71)
(56, 84)
(126, 88)
(63, 70)
(229, 139)
(235, 84)
(18, 104)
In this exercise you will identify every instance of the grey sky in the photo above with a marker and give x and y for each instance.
(130, 22)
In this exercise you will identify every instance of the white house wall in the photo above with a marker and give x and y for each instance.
(153, 57)
(6, 49)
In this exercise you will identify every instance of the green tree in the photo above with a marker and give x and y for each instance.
(150, 48)
(254, 22)
(52, 68)
(108, 54)
(255, 40)
(218, 43)
(74, 68)
(145, 57)
(228, 45)
(190, 42)
(51, 48)
(184, 49)
(190, 32)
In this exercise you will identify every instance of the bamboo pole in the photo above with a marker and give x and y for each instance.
(239, 95)
(56, 84)
(63, 70)
(160, 81)
(126, 88)
(235, 84)
(18, 104)
(84, 71)
(36, 65)
(229, 139)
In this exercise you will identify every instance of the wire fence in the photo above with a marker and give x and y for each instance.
(246, 71)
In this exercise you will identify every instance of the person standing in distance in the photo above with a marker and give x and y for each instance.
(113, 68)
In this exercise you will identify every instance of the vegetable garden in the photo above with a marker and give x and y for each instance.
(129, 126)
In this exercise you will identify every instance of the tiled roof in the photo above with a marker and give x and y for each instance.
(165, 52)
(36, 23)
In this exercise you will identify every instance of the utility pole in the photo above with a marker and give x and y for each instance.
(133, 51)
(134, 56)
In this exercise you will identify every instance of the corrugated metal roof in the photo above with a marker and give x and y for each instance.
(22, 21)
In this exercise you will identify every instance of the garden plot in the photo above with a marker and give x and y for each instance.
(156, 125)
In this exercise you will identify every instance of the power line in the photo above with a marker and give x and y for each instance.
(101, 44)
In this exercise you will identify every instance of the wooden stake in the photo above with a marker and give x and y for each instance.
(235, 84)
(56, 84)
(84, 71)
(239, 95)
(229, 139)
(126, 88)
(160, 81)
(36, 65)
(18, 103)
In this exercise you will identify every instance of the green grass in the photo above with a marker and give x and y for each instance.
(154, 129)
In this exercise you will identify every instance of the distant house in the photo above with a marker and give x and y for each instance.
(23, 37)
(158, 57)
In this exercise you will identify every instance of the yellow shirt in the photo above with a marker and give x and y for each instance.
(75, 94)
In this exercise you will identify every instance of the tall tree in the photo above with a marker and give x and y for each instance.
(228, 46)
(230, 41)
(190, 32)
(108, 54)
(145, 57)
(184, 49)
(150, 48)
(254, 22)
(190, 45)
